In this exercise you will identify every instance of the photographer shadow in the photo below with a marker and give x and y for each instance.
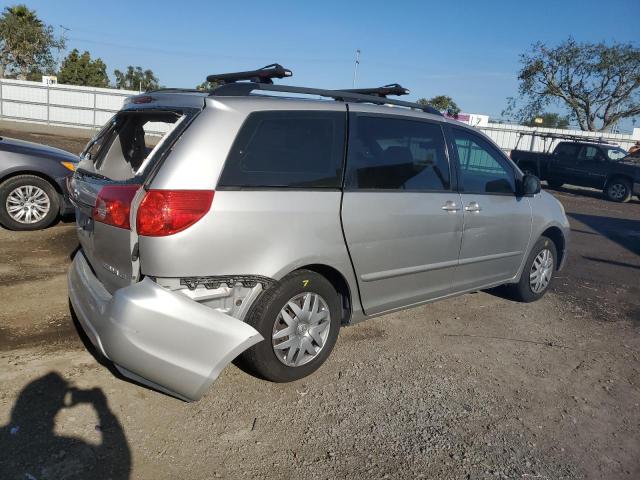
(30, 449)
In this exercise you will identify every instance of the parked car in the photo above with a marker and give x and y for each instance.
(33, 190)
(585, 164)
(258, 225)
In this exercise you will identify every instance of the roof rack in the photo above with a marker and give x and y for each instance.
(175, 90)
(263, 75)
(560, 136)
(383, 92)
(245, 88)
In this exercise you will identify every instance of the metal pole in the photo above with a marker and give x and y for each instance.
(48, 108)
(533, 140)
(355, 68)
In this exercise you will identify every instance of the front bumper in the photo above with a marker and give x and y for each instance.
(154, 336)
(636, 189)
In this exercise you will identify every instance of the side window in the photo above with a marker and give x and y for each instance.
(567, 149)
(396, 154)
(482, 170)
(590, 153)
(303, 149)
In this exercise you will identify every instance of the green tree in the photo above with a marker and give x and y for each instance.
(79, 69)
(597, 83)
(134, 78)
(442, 103)
(26, 44)
(206, 85)
(549, 120)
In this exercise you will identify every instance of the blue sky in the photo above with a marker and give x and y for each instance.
(466, 49)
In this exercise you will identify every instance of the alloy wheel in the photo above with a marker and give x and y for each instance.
(28, 204)
(617, 191)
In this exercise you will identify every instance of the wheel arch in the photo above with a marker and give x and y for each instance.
(339, 282)
(557, 237)
(35, 173)
(616, 176)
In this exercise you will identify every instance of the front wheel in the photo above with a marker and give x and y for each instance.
(618, 190)
(299, 319)
(537, 273)
(28, 202)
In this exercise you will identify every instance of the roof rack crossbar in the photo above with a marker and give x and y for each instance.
(265, 74)
(245, 88)
(175, 90)
(384, 91)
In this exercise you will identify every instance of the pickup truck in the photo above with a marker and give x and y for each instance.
(597, 165)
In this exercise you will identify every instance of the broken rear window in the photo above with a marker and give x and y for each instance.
(122, 149)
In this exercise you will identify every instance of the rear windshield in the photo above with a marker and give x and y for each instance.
(123, 147)
(296, 149)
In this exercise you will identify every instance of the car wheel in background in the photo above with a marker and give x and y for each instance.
(554, 183)
(299, 319)
(618, 190)
(28, 202)
(537, 273)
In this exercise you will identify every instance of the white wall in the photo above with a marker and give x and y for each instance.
(69, 105)
(510, 136)
(88, 107)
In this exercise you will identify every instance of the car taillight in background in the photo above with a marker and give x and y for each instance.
(165, 212)
(113, 205)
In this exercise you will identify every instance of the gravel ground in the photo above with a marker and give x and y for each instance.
(471, 387)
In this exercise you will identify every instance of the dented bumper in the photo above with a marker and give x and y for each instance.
(157, 337)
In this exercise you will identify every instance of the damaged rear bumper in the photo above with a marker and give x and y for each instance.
(157, 337)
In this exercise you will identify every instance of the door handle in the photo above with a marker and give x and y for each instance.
(472, 207)
(450, 206)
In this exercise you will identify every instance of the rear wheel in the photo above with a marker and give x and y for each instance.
(299, 319)
(537, 273)
(28, 202)
(618, 190)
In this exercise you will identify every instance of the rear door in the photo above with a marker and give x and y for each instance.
(497, 223)
(564, 167)
(107, 184)
(593, 167)
(401, 214)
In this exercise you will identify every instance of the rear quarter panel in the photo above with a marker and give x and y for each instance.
(268, 232)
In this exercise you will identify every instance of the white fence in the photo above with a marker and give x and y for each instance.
(508, 137)
(88, 107)
(64, 105)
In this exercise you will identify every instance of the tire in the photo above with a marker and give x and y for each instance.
(555, 183)
(618, 190)
(524, 291)
(265, 316)
(44, 196)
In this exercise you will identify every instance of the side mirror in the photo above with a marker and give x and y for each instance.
(529, 185)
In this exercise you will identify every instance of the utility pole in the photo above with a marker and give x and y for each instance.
(355, 67)
(63, 36)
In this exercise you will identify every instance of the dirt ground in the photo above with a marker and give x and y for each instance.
(472, 387)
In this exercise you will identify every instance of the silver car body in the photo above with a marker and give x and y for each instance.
(168, 311)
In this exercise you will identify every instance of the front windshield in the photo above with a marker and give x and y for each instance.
(616, 153)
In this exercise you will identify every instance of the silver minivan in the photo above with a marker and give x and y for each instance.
(239, 223)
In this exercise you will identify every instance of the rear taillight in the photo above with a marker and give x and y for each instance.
(113, 205)
(165, 212)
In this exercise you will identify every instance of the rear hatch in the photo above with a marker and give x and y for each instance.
(107, 185)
